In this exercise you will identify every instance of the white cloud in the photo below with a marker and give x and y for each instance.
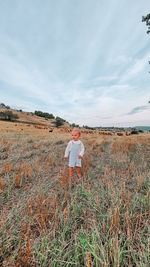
(82, 60)
(136, 68)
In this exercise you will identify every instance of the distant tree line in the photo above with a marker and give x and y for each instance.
(44, 114)
(58, 121)
(88, 127)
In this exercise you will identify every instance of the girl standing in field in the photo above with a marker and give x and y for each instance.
(75, 151)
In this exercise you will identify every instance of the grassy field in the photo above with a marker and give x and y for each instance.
(101, 219)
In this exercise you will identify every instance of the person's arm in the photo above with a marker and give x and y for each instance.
(68, 148)
(82, 150)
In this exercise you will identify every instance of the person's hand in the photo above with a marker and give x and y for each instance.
(79, 157)
(65, 158)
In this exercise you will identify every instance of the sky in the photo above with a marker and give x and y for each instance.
(83, 60)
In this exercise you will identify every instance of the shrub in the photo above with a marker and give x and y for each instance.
(134, 132)
(8, 115)
(75, 125)
(59, 122)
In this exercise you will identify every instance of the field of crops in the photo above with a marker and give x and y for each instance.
(99, 220)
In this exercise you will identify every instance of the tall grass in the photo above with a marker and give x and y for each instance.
(101, 219)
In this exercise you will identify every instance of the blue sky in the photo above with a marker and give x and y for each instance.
(83, 60)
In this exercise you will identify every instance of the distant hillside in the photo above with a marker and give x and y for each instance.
(31, 118)
(144, 128)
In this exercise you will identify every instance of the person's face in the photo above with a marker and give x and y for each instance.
(75, 135)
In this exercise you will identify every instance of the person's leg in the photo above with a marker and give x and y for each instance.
(70, 172)
(78, 169)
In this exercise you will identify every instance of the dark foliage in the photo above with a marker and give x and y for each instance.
(8, 115)
(44, 114)
(74, 125)
(59, 122)
(147, 20)
(134, 132)
(87, 127)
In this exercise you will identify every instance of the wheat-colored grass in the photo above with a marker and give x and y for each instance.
(101, 219)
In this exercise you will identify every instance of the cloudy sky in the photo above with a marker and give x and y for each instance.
(83, 60)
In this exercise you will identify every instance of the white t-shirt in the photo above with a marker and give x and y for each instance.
(68, 148)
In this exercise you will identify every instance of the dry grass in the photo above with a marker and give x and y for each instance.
(101, 219)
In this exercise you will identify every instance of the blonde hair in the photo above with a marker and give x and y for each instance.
(76, 130)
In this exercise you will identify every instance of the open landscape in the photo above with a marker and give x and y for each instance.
(74, 75)
(101, 219)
